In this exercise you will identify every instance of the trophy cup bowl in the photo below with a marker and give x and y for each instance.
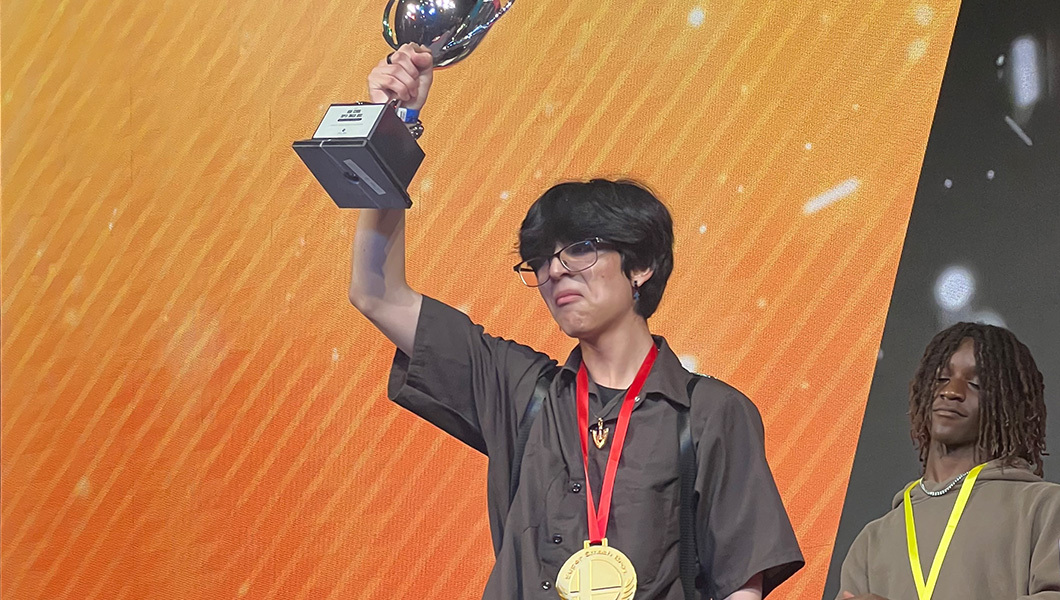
(450, 28)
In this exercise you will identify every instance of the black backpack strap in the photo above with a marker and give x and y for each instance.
(687, 465)
(540, 391)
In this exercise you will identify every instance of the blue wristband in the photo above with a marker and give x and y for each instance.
(408, 115)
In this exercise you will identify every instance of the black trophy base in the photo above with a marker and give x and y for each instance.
(363, 156)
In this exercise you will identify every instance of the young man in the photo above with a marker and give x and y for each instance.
(599, 253)
(978, 418)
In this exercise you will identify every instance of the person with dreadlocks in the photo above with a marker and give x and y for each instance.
(980, 523)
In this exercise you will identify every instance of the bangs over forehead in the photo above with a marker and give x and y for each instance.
(624, 213)
(621, 212)
(568, 213)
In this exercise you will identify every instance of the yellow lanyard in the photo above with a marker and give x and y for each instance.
(925, 589)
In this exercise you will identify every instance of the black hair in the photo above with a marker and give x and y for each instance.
(624, 213)
(1011, 393)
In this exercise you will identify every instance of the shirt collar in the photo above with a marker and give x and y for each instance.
(668, 378)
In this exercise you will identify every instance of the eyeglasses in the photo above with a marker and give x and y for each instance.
(575, 257)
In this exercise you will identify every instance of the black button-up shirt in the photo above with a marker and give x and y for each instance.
(476, 387)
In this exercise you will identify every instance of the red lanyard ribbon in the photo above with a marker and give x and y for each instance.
(598, 521)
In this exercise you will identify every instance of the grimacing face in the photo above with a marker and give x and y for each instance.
(588, 302)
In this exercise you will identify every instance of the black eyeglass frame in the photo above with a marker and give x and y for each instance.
(525, 267)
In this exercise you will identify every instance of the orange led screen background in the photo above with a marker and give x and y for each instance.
(191, 407)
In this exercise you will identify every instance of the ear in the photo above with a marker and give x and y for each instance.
(641, 276)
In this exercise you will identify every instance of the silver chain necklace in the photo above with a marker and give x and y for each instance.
(945, 489)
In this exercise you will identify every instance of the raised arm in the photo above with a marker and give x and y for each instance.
(378, 287)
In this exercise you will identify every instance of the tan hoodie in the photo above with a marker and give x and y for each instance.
(1006, 547)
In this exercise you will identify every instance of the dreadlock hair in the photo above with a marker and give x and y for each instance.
(1011, 394)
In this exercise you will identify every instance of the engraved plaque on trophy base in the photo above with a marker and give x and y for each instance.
(363, 156)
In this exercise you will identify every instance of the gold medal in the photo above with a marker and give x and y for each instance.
(597, 573)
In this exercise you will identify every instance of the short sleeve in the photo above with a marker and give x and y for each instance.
(468, 383)
(742, 526)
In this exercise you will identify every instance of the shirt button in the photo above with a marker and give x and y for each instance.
(546, 585)
(557, 539)
(575, 487)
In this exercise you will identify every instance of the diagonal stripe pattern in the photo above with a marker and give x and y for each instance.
(190, 407)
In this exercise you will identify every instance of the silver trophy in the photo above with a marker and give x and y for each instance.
(363, 155)
(450, 28)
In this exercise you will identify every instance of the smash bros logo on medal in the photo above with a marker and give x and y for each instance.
(597, 572)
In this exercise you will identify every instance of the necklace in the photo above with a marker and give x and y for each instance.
(945, 489)
(599, 430)
(599, 433)
(598, 570)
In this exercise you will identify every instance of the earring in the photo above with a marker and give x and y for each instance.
(636, 291)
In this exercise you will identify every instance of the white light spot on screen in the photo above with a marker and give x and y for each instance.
(243, 589)
(1026, 80)
(426, 184)
(288, 296)
(464, 308)
(761, 303)
(856, 107)
(948, 183)
(537, 174)
(549, 109)
(1000, 60)
(688, 362)
(40, 252)
(334, 355)
(923, 14)
(71, 317)
(825, 18)
(505, 195)
(722, 178)
(954, 288)
(82, 488)
(990, 174)
(696, 16)
(879, 355)
(114, 212)
(808, 146)
(917, 49)
(1019, 130)
(110, 226)
(739, 189)
(702, 228)
(831, 196)
(989, 317)
(744, 90)
(805, 385)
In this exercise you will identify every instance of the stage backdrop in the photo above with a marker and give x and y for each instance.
(191, 408)
(983, 237)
